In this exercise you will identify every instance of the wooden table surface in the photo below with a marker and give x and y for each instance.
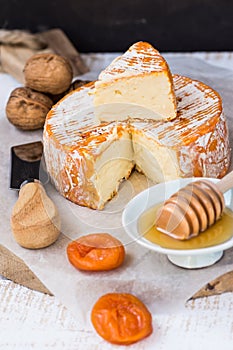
(33, 320)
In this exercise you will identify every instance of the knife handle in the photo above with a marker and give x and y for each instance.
(35, 221)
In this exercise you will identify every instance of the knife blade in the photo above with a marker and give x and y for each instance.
(27, 164)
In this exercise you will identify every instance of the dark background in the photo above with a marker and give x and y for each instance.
(106, 25)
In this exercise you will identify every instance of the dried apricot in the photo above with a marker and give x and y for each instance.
(96, 252)
(121, 318)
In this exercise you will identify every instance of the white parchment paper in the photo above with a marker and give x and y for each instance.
(163, 287)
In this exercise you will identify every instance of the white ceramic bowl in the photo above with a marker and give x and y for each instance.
(190, 258)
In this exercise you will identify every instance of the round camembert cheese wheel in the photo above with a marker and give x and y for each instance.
(87, 159)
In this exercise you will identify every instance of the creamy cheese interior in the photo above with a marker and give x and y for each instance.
(158, 163)
(112, 166)
(117, 161)
(145, 97)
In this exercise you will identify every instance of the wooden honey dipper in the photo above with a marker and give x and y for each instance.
(193, 208)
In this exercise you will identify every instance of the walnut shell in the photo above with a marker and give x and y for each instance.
(48, 73)
(27, 109)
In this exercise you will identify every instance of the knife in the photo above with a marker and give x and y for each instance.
(35, 221)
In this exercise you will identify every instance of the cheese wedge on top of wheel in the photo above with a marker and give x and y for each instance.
(137, 84)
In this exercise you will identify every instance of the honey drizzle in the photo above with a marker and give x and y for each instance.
(218, 233)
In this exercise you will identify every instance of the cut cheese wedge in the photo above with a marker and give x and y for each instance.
(137, 84)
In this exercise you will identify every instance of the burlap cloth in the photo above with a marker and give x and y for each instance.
(17, 46)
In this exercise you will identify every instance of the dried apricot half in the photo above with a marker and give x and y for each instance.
(121, 318)
(96, 252)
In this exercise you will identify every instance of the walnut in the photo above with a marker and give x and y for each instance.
(27, 109)
(48, 73)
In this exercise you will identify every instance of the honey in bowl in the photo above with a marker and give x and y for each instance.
(216, 234)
